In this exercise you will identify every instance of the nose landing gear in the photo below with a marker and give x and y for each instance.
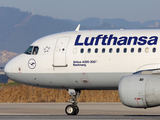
(73, 109)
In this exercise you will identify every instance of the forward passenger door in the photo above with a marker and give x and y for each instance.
(59, 57)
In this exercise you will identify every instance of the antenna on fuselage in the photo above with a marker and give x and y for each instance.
(78, 27)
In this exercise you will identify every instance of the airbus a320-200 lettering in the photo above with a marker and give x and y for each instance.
(123, 60)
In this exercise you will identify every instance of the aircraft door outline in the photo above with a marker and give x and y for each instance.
(59, 57)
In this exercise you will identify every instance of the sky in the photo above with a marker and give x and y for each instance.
(131, 10)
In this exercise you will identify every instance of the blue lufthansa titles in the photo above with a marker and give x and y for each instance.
(113, 40)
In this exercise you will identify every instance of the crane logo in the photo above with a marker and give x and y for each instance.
(31, 63)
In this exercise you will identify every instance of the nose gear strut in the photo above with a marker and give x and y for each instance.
(73, 109)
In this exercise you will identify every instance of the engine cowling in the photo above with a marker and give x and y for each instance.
(140, 91)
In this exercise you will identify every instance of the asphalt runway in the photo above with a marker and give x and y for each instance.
(87, 111)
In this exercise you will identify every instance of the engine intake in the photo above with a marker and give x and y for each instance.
(140, 91)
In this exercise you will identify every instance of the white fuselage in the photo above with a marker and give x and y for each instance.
(92, 60)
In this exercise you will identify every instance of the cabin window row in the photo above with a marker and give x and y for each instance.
(132, 50)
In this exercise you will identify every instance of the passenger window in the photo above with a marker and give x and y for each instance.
(139, 50)
(147, 50)
(132, 50)
(103, 50)
(154, 50)
(110, 50)
(82, 50)
(29, 50)
(96, 50)
(35, 50)
(125, 50)
(89, 50)
(117, 50)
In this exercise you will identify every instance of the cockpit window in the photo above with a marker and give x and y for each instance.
(29, 50)
(32, 50)
(35, 50)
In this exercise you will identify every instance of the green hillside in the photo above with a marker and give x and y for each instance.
(19, 29)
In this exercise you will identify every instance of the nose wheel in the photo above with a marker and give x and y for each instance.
(73, 109)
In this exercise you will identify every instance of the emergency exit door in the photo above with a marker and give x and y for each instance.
(59, 57)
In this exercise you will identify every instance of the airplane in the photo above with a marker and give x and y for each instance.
(123, 60)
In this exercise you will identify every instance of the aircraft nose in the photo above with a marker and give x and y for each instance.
(8, 70)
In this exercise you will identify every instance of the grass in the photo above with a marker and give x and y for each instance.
(17, 93)
(9, 84)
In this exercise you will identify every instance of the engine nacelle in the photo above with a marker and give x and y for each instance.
(140, 91)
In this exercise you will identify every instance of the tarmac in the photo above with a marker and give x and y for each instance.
(87, 111)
